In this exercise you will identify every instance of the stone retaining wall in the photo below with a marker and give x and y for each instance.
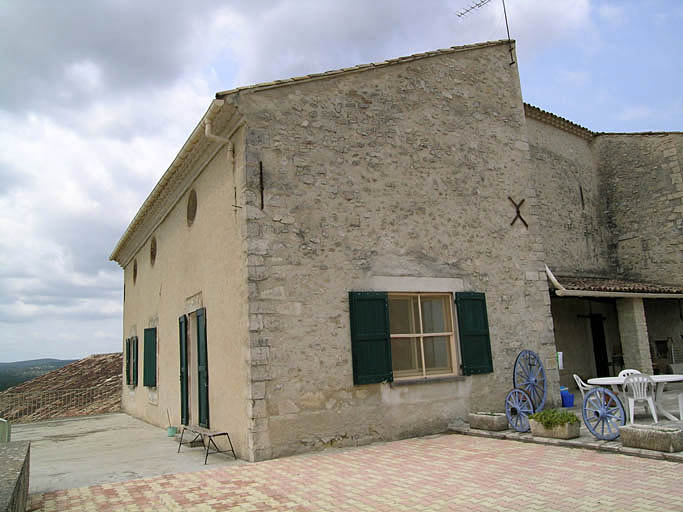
(14, 461)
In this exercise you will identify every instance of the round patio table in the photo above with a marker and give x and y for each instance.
(660, 381)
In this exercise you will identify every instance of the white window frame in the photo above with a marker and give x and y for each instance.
(455, 365)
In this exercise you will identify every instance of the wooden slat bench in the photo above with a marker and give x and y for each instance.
(207, 436)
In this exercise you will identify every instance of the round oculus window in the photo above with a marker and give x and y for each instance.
(191, 207)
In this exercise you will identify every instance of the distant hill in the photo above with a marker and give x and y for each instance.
(87, 386)
(17, 372)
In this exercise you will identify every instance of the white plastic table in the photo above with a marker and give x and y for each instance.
(660, 381)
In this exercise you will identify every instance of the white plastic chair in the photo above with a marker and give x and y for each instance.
(640, 388)
(628, 371)
(583, 387)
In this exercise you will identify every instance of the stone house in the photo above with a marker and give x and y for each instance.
(361, 254)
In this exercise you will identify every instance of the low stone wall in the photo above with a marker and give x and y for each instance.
(14, 459)
(653, 437)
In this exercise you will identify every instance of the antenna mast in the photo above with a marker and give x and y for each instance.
(481, 3)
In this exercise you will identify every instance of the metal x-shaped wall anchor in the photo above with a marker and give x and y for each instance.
(518, 215)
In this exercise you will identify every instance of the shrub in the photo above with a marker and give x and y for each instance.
(553, 417)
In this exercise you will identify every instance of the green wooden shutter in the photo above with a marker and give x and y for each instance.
(184, 405)
(473, 327)
(370, 341)
(127, 362)
(202, 369)
(149, 368)
(134, 349)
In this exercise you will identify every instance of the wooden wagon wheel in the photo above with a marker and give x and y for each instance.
(603, 413)
(518, 407)
(528, 374)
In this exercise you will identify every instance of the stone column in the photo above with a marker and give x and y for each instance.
(633, 331)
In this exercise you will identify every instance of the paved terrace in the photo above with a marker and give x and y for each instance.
(445, 472)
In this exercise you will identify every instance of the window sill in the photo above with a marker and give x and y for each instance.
(427, 380)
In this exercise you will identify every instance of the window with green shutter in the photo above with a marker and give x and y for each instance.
(473, 326)
(202, 370)
(127, 362)
(370, 340)
(184, 399)
(134, 360)
(408, 335)
(149, 368)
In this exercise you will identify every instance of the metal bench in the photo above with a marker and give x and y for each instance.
(207, 436)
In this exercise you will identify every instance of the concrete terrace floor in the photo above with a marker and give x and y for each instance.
(77, 452)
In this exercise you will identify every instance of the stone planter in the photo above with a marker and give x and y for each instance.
(652, 437)
(488, 421)
(565, 431)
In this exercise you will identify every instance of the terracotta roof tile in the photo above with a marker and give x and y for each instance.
(599, 284)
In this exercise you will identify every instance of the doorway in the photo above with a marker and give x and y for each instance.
(599, 345)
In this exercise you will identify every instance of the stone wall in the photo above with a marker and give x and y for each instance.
(643, 189)
(15, 460)
(391, 175)
(571, 205)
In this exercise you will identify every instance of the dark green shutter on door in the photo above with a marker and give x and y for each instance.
(202, 369)
(134, 349)
(149, 364)
(182, 331)
(473, 329)
(370, 341)
(127, 369)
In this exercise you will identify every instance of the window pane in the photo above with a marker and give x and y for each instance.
(406, 358)
(403, 315)
(437, 354)
(436, 314)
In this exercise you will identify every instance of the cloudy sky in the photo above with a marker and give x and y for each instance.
(97, 97)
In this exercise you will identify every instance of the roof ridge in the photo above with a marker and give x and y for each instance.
(362, 67)
(539, 114)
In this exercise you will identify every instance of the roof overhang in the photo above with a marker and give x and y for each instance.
(616, 288)
(186, 166)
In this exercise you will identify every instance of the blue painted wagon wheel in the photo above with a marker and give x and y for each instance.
(518, 407)
(603, 413)
(529, 375)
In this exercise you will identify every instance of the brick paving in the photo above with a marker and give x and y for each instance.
(447, 472)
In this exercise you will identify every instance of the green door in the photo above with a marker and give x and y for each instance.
(202, 369)
(182, 327)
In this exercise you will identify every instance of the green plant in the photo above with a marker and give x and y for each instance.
(553, 417)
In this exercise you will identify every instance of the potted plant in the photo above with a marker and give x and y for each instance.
(555, 423)
(488, 420)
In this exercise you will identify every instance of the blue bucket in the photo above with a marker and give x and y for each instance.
(567, 397)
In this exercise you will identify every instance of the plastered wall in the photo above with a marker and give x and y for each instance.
(202, 265)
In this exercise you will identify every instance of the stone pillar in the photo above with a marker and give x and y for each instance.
(633, 331)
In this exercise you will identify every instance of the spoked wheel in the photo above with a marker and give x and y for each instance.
(603, 413)
(529, 375)
(518, 407)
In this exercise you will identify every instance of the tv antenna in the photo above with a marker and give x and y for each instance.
(481, 3)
